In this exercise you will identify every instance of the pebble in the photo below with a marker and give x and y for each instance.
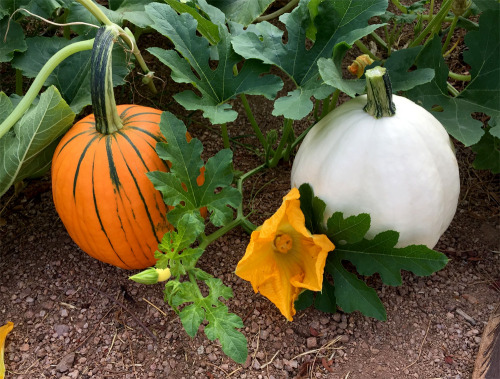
(61, 329)
(66, 363)
(311, 342)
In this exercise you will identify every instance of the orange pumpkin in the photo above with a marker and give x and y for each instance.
(100, 189)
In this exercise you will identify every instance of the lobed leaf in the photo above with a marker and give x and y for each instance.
(180, 187)
(482, 94)
(14, 40)
(334, 21)
(216, 85)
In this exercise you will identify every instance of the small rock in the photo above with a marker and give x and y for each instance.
(344, 338)
(66, 363)
(324, 320)
(256, 364)
(264, 334)
(337, 317)
(247, 362)
(470, 298)
(212, 357)
(200, 350)
(25, 347)
(60, 329)
(311, 342)
(64, 312)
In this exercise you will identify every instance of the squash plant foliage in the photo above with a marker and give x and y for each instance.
(246, 48)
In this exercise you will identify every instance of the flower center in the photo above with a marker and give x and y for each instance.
(283, 243)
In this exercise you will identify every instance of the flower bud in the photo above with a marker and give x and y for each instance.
(459, 7)
(148, 276)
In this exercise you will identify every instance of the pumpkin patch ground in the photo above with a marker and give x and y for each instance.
(76, 317)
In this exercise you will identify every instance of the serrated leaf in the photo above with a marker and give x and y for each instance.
(380, 256)
(335, 21)
(353, 294)
(216, 85)
(313, 209)
(72, 76)
(222, 325)
(26, 150)
(14, 40)
(186, 165)
(397, 65)
(347, 231)
(191, 317)
(487, 153)
(482, 94)
(241, 11)
(217, 289)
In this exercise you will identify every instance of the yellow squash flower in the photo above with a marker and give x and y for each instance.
(283, 258)
(4, 330)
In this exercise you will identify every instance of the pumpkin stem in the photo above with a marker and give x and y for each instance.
(379, 93)
(107, 120)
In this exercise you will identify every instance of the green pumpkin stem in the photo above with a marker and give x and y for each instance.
(107, 120)
(379, 93)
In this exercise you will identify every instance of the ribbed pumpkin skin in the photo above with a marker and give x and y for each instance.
(102, 194)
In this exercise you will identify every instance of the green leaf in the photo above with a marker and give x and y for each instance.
(26, 150)
(347, 231)
(485, 5)
(305, 300)
(207, 28)
(6, 106)
(222, 325)
(487, 153)
(241, 11)
(482, 93)
(336, 21)
(353, 294)
(398, 67)
(72, 76)
(14, 40)
(216, 85)
(313, 209)
(191, 317)
(325, 300)
(186, 165)
(380, 256)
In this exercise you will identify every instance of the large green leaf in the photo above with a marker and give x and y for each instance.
(14, 40)
(242, 11)
(216, 192)
(487, 153)
(398, 67)
(26, 150)
(380, 256)
(72, 76)
(336, 21)
(351, 293)
(483, 92)
(216, 85)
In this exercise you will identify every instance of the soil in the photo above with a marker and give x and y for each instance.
(76, 317)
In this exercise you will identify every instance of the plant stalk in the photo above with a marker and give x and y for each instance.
(463, 78)
(287, 127)
(365, 50)
(225, 136)
(436, 21)
(279, 12)
(450, 34)
(254, 124)
(128, 37)
(39, 81)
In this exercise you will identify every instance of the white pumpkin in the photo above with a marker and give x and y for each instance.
(400, 168)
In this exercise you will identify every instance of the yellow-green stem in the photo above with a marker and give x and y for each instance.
(361, 46)
(225, 136)
(435, 22)
(279, 12)
(463, 78)
(253, 122)
(450, 34)
(39, 81)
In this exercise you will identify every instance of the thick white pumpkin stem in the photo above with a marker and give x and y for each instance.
(379, 93)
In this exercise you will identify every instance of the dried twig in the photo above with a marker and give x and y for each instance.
(128, 311)
(466, 316)
(154, 306)
(272, 359)
(421, 346)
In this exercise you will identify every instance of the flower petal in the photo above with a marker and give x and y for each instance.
(4, 330)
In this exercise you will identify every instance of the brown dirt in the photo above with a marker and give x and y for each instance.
(69, 322)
